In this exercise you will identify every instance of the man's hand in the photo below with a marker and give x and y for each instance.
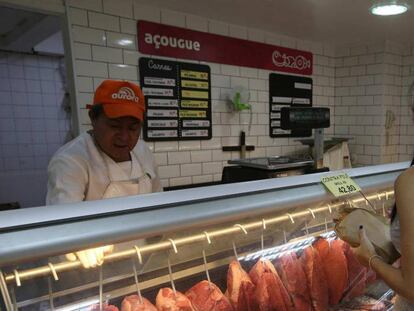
(90, 258)
(365, 250)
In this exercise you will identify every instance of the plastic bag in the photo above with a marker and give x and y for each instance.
(376, 228)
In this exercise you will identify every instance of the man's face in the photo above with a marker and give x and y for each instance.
(116, 137)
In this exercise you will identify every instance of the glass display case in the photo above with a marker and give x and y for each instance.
(242, 246)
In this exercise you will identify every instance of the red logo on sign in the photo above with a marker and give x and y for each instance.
(170, 41)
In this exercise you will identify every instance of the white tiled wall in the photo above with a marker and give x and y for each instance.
(359, 84)
(368, 87)
(406, 143)
(105, 47)
(33, 123)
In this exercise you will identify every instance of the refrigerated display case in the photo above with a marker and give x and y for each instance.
(179, 238)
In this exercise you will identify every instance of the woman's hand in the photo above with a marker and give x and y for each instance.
(90, 258)
(365, 250)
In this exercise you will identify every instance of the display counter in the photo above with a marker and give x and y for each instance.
(176, 239)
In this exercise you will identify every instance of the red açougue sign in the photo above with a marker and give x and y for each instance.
(164, 40)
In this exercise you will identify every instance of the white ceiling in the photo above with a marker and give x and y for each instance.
(333, 21)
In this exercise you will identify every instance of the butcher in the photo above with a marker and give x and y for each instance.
(108, 161)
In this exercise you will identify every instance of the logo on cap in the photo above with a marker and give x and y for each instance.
(125, 93)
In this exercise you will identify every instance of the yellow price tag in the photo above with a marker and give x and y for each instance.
(192, 114)
(194, 84)
(194, 74)
(340, 184)
(189, 103)
(194, 94)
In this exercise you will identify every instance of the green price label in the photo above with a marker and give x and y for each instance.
(340, 184)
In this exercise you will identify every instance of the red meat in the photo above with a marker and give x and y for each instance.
(292, 275)
(133, 303)
(335, 265)
(208, 297)
(168, 301)
(357, 275)
(270, 292)
(240, 288)
(316, 279)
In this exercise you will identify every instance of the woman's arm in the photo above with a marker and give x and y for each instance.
(400, 280)
(404, 198)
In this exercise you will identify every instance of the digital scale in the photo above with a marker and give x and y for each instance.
(303, 118)
(316, 118)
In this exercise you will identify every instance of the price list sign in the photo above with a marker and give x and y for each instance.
(340, 184)
(177, 99)
(287, 91)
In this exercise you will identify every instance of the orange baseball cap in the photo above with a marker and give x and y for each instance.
(120, 99)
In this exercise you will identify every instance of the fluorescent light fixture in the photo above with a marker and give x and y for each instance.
(389, 7)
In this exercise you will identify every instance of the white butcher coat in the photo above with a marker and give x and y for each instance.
(80, 171)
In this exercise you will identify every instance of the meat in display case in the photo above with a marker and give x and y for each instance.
(260, 245)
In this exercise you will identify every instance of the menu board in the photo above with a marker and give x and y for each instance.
(177, 100)
(288, 91)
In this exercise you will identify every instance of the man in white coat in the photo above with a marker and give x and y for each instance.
(108, 161)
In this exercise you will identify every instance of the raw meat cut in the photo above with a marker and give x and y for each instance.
(168, 301)
(133, 303)
(208, 297)
(270, 293)
(335, 265)
(240, 288)
(105, 307)
(316, 279)
(293, 276)
(365, 303)
(357, 275)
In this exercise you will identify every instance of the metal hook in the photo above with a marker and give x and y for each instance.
(8, 303)
(386, 195)
(291, 218)
(205, 267)
(49, 285)
(53, 270)
(379, 196)
(137, 281)
(207, 237)
(14, 300)
(284, 236)
(329, 208)
(138, 251)
(326, 225)
(306, 228)
(100, 288)
(17, 278)
(173, 245)
(171, 276)
(241, 227)
(262, 235)
(311, 211)
(235, 251)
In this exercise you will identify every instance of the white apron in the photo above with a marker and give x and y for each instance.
(122, 185)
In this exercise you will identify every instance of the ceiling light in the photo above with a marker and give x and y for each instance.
(389, 7)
